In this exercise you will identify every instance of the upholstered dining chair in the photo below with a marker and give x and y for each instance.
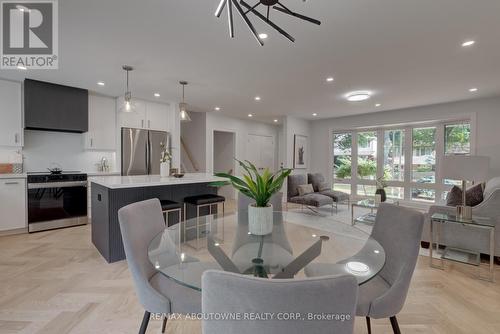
(233, 295)
(398, 230)
(139, 224)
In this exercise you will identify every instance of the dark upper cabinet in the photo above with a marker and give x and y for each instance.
(54, 107)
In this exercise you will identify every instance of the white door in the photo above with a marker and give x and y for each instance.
(260, 151)
(12, 204)
(157, 116)
(102, 124)
(135, 119)
(11, 120)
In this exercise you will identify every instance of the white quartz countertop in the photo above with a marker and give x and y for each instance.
(118, 182)
(13, 176)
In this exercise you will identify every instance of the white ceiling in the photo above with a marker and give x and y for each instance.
(407, 52)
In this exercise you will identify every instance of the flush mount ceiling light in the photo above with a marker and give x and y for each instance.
(217, 108)
(156, 94)
(315, 114)
(274, 4)
(263, 36)
(184, 116)
(257, 98)
(468, 43)
(330, 79)
(473, 90)
(100, 83)
(358, 96)
(275, 121)
(250, 115)
(128, 106)
(23, 68)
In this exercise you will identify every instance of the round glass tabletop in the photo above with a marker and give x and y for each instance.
(300, 245)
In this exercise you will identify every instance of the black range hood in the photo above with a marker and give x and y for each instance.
(53, 107)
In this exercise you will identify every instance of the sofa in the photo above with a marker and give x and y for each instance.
(322, 194)
(469, 237)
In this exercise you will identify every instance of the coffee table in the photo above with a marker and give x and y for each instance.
(367, 204)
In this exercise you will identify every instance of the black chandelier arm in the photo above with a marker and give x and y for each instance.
(270, 23)
(282, 8)
(247, 21)
(251, 8)
(220, 8)
(230, 19)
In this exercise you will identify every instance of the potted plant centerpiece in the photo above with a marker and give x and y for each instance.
(165, 160)
(259, 187)
(381, 184)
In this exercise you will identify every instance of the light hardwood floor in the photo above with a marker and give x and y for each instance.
(56, 282)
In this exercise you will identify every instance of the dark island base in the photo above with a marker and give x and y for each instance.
(106, 202)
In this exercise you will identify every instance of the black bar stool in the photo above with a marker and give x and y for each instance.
(201, 201)
(168, 206)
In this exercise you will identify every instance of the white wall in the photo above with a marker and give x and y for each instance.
(224, 146)
(41, 148)
(484, 114)
(194, 134)
(241, 128)
(295, 126)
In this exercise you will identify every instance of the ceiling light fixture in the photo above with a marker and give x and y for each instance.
(468, 43)
(250, 115)
(274, 4)
(378, 105)
(128, 106)
(314, 114)
(217, 108)
(358, 96)
(100, 83)
(23, 68)
(275, 121)
(330, 79)
(257, 98)
(156, 94)
(263, 36)
(184, 116)
(473, 90)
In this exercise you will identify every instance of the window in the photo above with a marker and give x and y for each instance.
(367, 155)
(383, 153)
(394, 156)
(424, 162)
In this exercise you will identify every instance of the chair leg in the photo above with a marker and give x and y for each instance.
(164, 324)
(369, 325)
(395, 326)
(145, 322)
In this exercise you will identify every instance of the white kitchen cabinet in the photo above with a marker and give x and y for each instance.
(102, 124)
(157, 116)
(11, 116)
(12, 204)
(134, 119)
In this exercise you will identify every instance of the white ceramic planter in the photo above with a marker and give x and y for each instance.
(260, 220)
(164, 169)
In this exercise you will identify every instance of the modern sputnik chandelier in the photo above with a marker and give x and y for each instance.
(270, 4)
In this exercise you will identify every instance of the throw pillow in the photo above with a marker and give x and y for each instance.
(473, 195)
(305, 189)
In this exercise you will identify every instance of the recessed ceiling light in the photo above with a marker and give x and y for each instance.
(314, 114)
(217, 108)
(20, 67)
(468, 43)
(250, 115)
(257, 98)
(157, 94)
(358, 96)
(378, 105)
(263, 36)
(330, 79)
(100, 83)
(275, 121)
(473, 90)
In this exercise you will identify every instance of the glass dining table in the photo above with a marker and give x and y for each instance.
(184, 251)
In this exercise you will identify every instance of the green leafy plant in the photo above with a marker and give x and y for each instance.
(166, 156)
(381, 184)
(253, 184)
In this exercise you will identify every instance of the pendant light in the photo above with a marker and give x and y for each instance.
(128, 106)
(184, 116)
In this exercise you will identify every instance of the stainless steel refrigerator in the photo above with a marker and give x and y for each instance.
(141, 151)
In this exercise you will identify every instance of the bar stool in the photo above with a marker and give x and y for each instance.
(201, 201)
(168, 206)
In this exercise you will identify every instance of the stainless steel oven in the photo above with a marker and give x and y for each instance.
(56, 200)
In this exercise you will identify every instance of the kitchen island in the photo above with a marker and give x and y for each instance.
(111, 193)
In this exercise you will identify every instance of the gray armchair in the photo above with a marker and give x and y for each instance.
(139, 224)
(322, 187)
(398, 230)
(226, 293)
(470, 238)
(310, 200)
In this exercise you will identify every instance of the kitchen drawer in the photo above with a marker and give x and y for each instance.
(12, 204)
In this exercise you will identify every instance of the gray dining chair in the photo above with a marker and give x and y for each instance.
(229, 294)
(398, 230)
(139, 224)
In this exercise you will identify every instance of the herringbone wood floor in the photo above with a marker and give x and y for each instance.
(56, 282)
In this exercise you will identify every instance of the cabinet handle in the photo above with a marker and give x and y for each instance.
(16, 138)
(149, 124)
(91, 142)
(11, 183)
